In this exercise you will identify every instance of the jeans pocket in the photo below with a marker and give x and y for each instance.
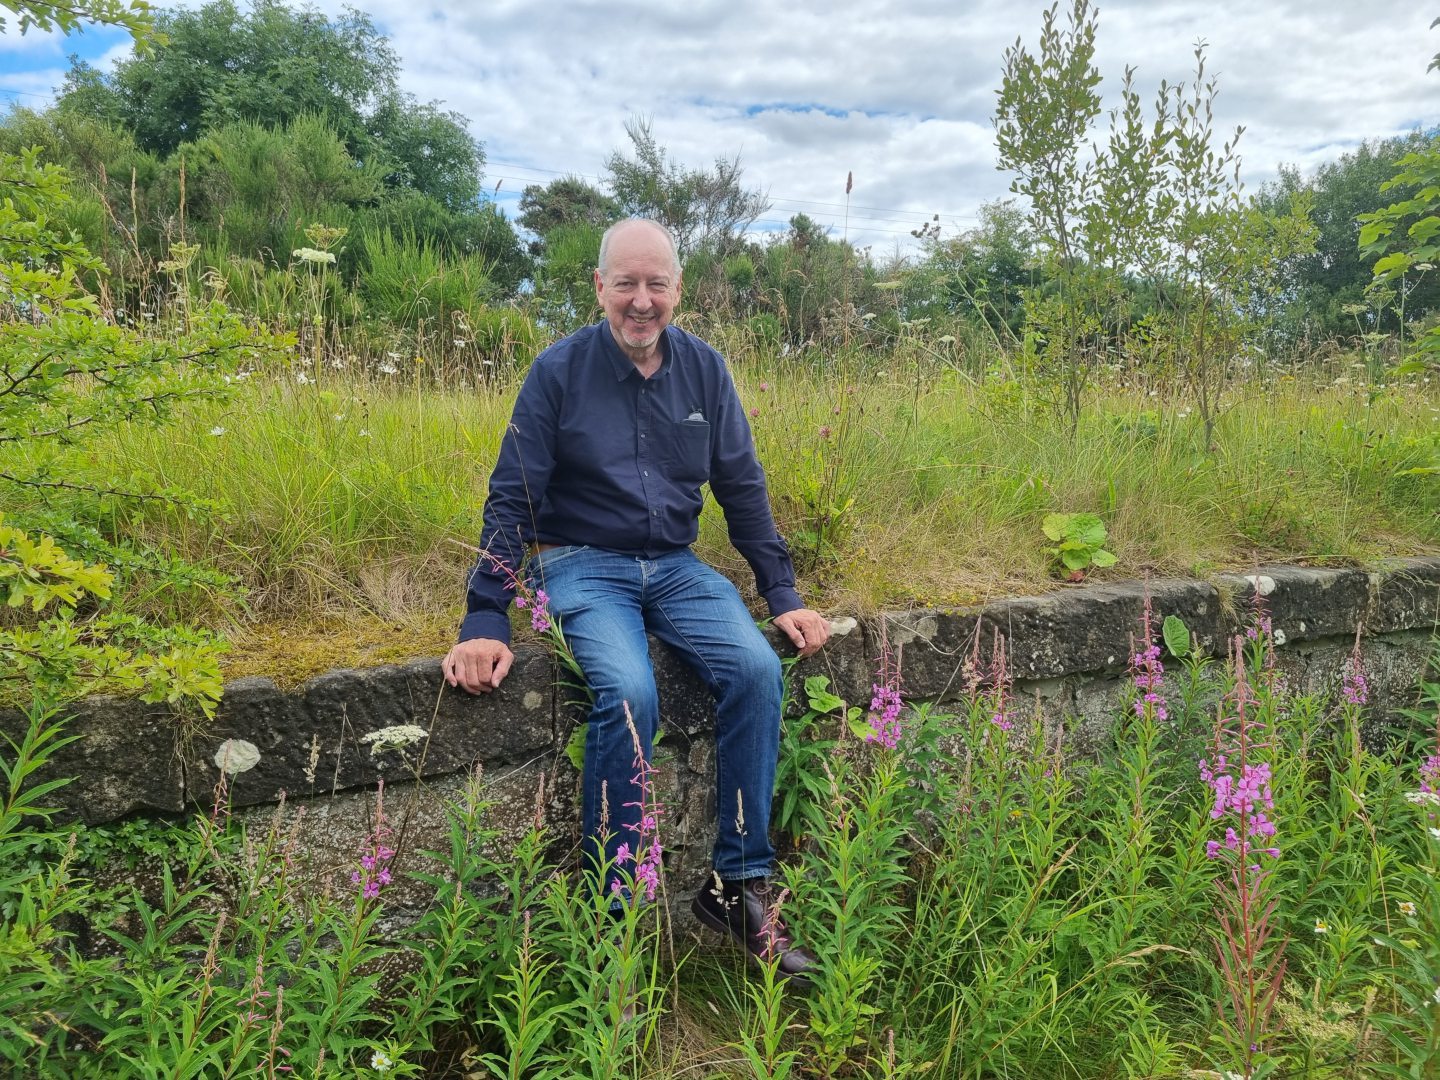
(543, 560)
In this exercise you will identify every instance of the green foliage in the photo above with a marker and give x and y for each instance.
(270, 65)
(428, 150)
(1157, 200)
(1409, 230)
(1320, 285)
(68, 376)
(979, 894)
(409, 281)
(702, 208)
(565, 201)
(258, 185)
(1176, 636)
(133, 15)
(565, 279)
(1081, 540)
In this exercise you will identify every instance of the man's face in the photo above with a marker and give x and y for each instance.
(639, 289)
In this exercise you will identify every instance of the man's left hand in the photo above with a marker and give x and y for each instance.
(807, 629)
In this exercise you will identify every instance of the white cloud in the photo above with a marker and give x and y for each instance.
(901, 95)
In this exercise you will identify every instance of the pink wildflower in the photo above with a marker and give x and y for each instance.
(1430, 775)
(540, 612)
(647, 852)
(1146, 668)
(884, 716)
(999, 677)
(1353, 686)
(885, 703)
(374, 869)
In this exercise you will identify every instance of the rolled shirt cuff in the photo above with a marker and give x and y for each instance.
(783, 599)
(485, 624)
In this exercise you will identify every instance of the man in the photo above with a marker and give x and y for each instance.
(614, 431)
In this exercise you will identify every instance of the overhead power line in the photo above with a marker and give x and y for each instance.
(898, 215)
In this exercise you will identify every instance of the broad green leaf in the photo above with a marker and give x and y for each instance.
(1176, 635)
(819, 696)
(1397, 262)
(859, 725)
(1088, 529)
(575, 747)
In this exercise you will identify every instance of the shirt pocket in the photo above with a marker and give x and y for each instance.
(687, 457)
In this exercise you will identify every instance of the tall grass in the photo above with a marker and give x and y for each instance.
(346, 490)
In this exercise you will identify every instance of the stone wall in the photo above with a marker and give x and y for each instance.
(1068, 650)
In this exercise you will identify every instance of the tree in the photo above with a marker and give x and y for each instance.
(271, 65)
(66, 373)
(566, 201)
(1406, 236)
(982, 273)
(133, 15)
(702, 208)
(1046, 106)
(428, 149)
(1326, 286)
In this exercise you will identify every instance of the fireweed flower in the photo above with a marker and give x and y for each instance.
(1239, 785)
(1147, 670)
(374, 872)
(1430, 776)
(1353, 686)
(999, 678)
(645, 857)
(884, 716)
(885, 704)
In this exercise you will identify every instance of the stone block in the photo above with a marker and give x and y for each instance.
(124, 760)
(1087, 629)
(263, 739)
(1303, 602)
(1405, 595)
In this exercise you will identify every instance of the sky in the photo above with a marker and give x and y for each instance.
(900, 96)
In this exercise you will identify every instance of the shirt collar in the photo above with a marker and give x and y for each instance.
(623, 365)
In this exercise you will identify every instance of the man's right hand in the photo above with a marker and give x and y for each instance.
(478, 665)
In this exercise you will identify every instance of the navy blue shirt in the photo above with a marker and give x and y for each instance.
(596, 454)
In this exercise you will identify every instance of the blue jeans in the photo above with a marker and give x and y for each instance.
(605, 603)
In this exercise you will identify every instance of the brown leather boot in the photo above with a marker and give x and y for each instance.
(749, 911)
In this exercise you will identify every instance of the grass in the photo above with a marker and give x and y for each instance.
(345, 501)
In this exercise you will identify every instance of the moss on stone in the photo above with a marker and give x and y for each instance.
(292, 652)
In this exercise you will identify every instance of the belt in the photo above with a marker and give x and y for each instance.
(535, 549)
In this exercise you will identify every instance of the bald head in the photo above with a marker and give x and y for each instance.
(629, 228)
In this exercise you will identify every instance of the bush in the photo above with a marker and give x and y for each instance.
(409, 282)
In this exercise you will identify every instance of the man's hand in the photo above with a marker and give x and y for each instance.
(807, 629)
(478, 665)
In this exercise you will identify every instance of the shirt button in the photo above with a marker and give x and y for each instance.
(654, 513)
(645, 473)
